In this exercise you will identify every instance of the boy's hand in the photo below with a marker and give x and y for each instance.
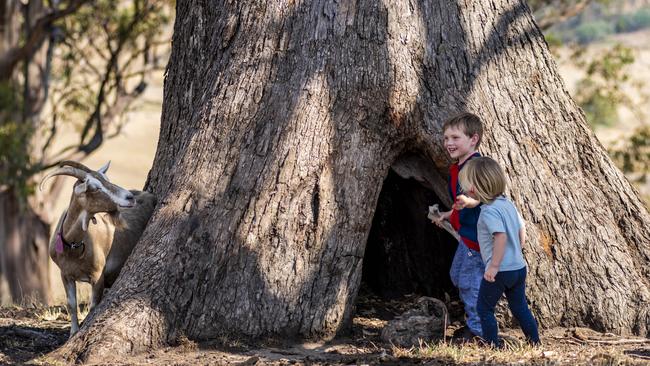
(463, 201)
(490, 273)
(439, 220)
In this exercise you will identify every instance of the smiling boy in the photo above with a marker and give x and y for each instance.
(462, 137)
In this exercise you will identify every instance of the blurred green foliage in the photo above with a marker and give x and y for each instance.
(600, 93)
(103, 54)
(8, 97)
(105, 32)
(593, 31)
(633, 156)
(15, 164)
(602, 21)
(14, 158)
(633, 22)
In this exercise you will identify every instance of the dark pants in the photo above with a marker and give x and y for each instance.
(513, 284)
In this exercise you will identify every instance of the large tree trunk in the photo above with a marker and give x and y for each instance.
(280, 124)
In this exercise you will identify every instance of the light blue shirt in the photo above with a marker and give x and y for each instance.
(501, 216)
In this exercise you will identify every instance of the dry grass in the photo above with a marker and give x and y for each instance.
(60, 312)
(53, 313)
(518, 354)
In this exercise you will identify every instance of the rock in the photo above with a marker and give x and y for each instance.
(425, 322)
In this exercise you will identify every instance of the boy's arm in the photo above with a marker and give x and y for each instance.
(498, 252)
(463, 201)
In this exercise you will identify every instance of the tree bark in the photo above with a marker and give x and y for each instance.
(24, 239)
(280, 123)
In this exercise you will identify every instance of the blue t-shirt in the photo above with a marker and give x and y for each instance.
(501, 216)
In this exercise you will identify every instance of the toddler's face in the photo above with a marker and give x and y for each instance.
(457, 143)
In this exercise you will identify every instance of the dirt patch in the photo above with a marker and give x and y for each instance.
(28, 334)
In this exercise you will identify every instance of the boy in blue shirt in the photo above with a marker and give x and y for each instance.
(501, 234)
(462, 137)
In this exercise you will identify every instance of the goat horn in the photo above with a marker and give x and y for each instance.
(75, 164)
(66, 170)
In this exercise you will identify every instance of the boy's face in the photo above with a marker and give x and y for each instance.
(458, 144)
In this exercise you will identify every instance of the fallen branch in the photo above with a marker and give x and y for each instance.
(638, 356)
(581, 336)
(28, 333)
(566, 339)
(617, 342)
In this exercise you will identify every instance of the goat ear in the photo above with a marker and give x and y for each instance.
(80, 188)
(103, 169)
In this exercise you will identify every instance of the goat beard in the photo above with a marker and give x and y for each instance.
(118, 221)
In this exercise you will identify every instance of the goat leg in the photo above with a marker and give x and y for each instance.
(71, 296)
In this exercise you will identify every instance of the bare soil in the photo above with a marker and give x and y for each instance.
(27, 335)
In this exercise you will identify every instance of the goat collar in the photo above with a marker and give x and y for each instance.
(60, 241)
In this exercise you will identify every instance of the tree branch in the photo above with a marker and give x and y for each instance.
(37, 35)
(95, 118)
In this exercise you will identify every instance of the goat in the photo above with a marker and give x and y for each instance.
(96, 252)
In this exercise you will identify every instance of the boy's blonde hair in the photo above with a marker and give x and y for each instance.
(467, 122)
(485, 176)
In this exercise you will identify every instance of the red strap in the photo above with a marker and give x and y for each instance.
(453, 172)
(471, 244)
(454, 219)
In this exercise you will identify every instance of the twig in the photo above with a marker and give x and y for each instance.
(612, 342)
(619, 342)
(444, 330)
(566, 339)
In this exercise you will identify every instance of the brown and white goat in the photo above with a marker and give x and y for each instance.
(97, 232)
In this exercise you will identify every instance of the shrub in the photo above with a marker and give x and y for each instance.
(633, 22)
(593, 31)
(600, 109)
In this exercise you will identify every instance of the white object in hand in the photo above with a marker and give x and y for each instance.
(434, 213)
